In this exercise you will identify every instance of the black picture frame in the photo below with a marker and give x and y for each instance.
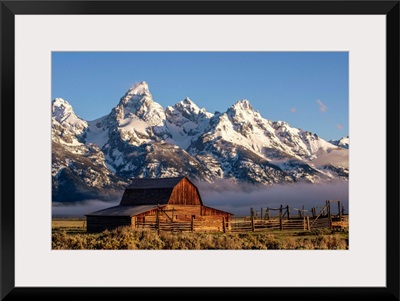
(9, 9)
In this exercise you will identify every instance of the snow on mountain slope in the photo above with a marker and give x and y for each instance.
(67, 127)
(286, 151)
(63, 113)
(138, 101)
(134, 118)
(139, 139)
(342, 142)
(79, 176)
(241, 125)
(97, 133)
(185, 122)
(338, 156)
(303, 144)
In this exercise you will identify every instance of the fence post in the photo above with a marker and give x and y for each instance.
(280, 218)
(314, 212)
(192, 224)
(340, 212)
(308, 223)
(267, 213)
(158, 221)
(288, 212)
(261, 216)
(329, 214)
(134, 222)
(223, 224)
(252, 219)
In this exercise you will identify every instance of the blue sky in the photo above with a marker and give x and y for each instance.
(309, 90)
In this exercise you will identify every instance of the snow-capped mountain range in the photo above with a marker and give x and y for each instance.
(94, 159)
(342, 142)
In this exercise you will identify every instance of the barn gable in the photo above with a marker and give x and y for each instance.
(179, 191)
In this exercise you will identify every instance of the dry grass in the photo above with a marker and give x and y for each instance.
(69, 225)
(72, 235)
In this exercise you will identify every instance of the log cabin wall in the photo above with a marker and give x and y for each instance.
(185, 193)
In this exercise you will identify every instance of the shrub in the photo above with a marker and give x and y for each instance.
(126, 238)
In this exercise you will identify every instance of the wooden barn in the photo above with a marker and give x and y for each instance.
(164, 204)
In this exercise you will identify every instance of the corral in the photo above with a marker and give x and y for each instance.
(322, 217)
(175, 204)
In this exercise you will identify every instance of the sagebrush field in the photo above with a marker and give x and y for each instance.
(70, 234)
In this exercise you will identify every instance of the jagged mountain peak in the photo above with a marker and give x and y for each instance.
(242, 111)
(242, 104)
(139, 88)
(67, 127)
(187, 103)
(185, 122)
(63, 112)
(60, 107)
(139, 93)
(59, 101)
(242, 108)
(342, 142)
(187, 107)
(138, 101)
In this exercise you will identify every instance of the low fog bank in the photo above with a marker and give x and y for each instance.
(238, 198)
(79, 209)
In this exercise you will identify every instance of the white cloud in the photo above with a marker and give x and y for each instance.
(322, 106)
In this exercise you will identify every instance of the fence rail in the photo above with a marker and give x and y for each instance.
(275, 223)
(257, 222)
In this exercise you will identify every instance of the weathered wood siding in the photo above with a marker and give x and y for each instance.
(185, 193)
(212, 211)
(184, 213)
(101, 223)
(211, 222)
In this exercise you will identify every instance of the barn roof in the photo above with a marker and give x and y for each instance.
(154, 183)
(155, 191)
(123, 210)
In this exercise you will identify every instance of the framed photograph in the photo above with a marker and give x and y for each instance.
(157, 149)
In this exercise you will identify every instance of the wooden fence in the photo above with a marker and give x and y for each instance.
(170, 226)
(264, 219)
(259, 222)
(186, 226)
